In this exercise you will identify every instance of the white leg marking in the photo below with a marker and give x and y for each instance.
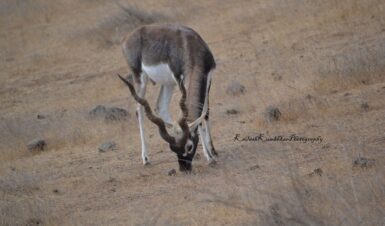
(140, 112)
(204, 143)
(208, 138)
(163, 102)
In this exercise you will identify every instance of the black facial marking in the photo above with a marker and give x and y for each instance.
(185, 163)
(185, 159)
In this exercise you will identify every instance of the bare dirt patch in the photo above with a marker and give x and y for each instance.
(320, 63)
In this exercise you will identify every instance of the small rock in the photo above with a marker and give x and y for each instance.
(232, 111)
(111, 180)
(143, 175)
(364, 82)
(40, 116)
(109, 114)
(276, 77)
(98, 111)
(116, 114)
(317, 171)
(254, 167)
(235, 89)
(171, 172)
(272, 114)
(326, 146)
(56, 191)
(108, 146)
(363, 162)
(365, 106)
(37, 145)
(34, 221)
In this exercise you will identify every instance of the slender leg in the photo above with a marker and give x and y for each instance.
(208, 147)
(204, 143)
(204, 129)
(140, 114)
(205, 135)
(163, 102)
(208, 138)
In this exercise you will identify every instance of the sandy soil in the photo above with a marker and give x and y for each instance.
(321, 63)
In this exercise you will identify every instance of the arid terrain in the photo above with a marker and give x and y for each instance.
(319, 64)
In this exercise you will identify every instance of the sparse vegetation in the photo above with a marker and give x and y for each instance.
(272, 113)
(108, 146)
(320, 64)
(37, 144)
(109, 113)
(363, 162)
(235, 88)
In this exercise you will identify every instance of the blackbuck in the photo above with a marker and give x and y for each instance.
(172, 55)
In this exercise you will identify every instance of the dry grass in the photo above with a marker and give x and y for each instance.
(111, 28)
(321, 63)
(63, 130)
(21, 203)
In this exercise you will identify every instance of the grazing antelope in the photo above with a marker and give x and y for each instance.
(172, 55)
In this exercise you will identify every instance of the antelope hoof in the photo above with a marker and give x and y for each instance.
(146, 161)
(212, 162)
(213, 157)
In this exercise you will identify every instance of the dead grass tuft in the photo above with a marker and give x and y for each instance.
(20, 203)
(111, 29)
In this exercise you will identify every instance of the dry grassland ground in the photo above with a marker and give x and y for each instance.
(321, 63)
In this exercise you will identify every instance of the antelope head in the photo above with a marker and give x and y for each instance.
(184, 140)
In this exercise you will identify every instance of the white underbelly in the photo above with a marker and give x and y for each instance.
(160, 73)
